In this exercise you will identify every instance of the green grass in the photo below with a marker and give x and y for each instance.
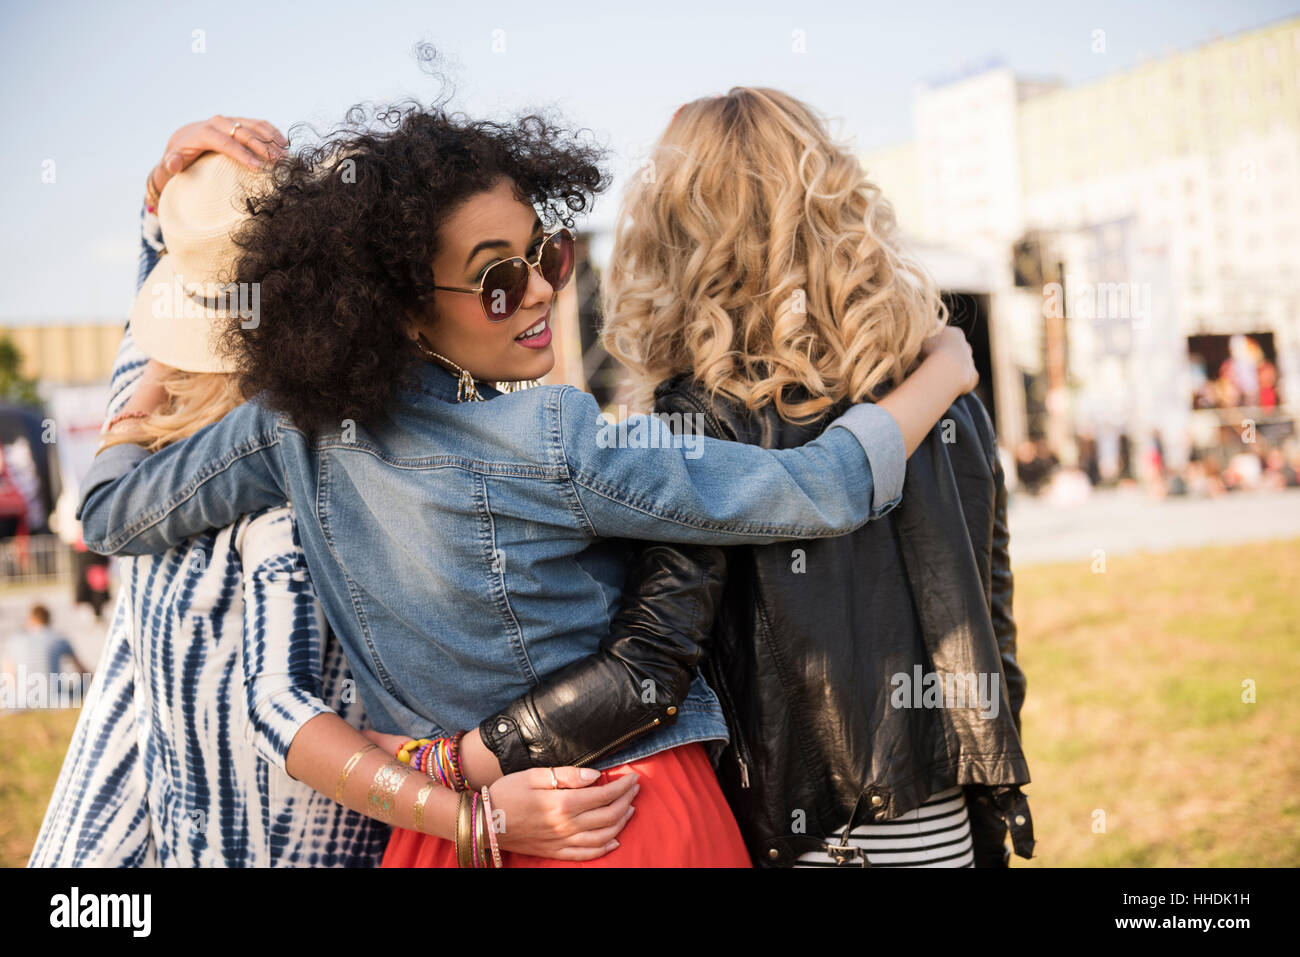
(32, 745)
(1134, 709)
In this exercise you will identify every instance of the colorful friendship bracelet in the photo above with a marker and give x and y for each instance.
(439, 758)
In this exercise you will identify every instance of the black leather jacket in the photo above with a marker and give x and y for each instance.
(803, 643)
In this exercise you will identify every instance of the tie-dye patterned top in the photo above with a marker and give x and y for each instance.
(217, 654)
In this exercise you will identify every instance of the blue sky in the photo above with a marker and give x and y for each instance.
(99, 86)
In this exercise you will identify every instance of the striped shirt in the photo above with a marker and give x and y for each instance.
(936, 834)
(218, 652)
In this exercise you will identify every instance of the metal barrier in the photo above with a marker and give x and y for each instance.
(36, 560)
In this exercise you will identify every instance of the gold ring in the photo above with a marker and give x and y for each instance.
(555, 784)
(233, 128)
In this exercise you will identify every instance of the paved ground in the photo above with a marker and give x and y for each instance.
(1126, 522)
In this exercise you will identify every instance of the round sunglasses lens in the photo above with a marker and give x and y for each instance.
(557, 259)
(504, 286)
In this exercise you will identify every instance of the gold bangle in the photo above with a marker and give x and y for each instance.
(419, 805)
(383, 790)
(480, 834)
(347, 770)
(462, 830)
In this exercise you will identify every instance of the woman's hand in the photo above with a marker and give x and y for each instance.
(254, 143)
(947, 373)
(579, 821)
(950, 345)
(149, 396)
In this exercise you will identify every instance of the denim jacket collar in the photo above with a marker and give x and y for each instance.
(432, 378)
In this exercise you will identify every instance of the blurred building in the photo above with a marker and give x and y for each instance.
(67, 353)
(1116, 236)
(71, 363)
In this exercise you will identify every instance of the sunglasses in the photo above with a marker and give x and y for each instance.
(502, 288)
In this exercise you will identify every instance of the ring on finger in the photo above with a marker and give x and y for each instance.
(555, 782)
(233, 128)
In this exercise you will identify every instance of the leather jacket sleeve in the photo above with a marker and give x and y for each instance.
(1004, 625)
(635, 682)
(991, 810)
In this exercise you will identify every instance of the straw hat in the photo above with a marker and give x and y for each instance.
(180, 312)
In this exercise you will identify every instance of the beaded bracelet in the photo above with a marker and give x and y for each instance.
(404, 752)
(458, 773)
(123, 416)
(439, 758)
(417, 759)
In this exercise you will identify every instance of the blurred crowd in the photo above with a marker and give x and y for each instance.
(1234, 465)
(1246, 378)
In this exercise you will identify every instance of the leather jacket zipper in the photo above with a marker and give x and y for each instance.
(733, 725)
(621, 739)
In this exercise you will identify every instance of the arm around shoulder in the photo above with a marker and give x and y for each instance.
(134, 503)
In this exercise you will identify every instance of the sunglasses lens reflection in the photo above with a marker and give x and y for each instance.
(503, 288)
(557, 259)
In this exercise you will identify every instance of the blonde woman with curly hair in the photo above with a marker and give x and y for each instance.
(758, 286)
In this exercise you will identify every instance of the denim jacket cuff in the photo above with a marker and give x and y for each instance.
(886, 451)
(112, 463)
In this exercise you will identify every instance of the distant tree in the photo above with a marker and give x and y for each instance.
(14, 386)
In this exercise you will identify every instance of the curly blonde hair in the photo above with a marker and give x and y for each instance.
(194, 400)
(753, 252)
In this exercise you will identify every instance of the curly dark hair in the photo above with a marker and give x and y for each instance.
(342, 244)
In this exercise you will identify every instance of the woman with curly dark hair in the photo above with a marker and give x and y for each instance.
(465, 538)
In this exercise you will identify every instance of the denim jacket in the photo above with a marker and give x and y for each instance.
(464, 551)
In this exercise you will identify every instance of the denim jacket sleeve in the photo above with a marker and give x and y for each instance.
(227, 469)
(638, 479)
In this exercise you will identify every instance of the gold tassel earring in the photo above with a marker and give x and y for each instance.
(466, 391)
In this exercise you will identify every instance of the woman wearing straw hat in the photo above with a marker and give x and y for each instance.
(195, 687)
(231, 659)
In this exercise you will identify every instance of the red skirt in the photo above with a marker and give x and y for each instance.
(681, 820)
